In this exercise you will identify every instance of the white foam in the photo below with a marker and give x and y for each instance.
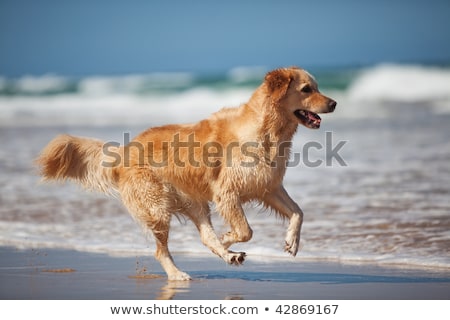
(127, 240)
(41, 84)
(401, 83)
(133, 83)
(110, 109)
(169, 97)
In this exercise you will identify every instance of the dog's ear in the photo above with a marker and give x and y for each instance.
(278, 81)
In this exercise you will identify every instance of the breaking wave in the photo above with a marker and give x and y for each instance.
(161, 97)
(401, 83)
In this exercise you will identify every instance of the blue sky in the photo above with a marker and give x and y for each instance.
(87, 37)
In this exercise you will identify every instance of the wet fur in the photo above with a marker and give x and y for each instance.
(153, 194)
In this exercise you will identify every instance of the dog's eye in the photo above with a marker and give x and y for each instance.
(306, 89)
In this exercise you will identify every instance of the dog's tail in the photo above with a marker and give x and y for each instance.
(81, 160)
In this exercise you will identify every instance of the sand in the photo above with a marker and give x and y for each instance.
(63, 274)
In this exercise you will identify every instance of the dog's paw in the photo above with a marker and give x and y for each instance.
(179, 276)
(291, 245)
(235, 258)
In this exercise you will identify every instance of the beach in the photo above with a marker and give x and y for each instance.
(373, 182)
(66, 275)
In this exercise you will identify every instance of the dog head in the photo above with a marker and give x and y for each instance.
(294, 92)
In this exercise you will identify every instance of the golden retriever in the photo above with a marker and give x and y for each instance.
(235, 156)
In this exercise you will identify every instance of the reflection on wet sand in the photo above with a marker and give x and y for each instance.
(171, 288)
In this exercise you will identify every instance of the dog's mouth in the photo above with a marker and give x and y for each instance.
(308, 119)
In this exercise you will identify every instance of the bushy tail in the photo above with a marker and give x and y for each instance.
(78, 159)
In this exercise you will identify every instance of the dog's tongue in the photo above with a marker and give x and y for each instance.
(314, 117)
(308, 118)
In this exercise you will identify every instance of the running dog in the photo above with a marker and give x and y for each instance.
(237, 155)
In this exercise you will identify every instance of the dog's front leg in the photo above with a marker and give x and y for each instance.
(229, 206)
(200, 215)
(280, 201)
(292, 239)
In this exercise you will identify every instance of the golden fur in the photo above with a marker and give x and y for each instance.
(235, 156)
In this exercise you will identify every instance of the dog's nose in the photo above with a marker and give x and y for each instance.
(332, 105)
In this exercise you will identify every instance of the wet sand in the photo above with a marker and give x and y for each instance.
(62, 274)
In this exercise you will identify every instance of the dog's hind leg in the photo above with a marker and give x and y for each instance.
(160, 230)
(161, 233)
(200, 215)
(150, 203)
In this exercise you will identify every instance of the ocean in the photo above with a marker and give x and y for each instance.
(373, 181)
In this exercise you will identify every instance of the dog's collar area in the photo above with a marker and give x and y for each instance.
(308, 118)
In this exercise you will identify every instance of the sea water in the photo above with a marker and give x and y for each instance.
(373, 181)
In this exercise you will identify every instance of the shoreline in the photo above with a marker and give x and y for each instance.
(64, 274)
(255, 256)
